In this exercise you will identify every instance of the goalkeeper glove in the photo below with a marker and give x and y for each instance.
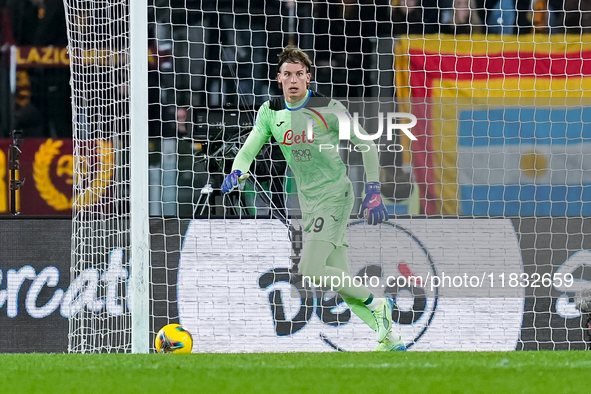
(376, 211)
(232, 180)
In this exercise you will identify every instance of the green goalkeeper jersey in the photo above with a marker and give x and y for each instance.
(319, 172)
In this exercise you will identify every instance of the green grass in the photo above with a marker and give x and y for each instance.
(411, 372)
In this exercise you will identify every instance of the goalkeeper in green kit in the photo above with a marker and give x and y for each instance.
(306, 125)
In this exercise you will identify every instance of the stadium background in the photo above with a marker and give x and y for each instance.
(547, 239)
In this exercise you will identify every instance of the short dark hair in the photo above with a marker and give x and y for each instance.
(293, 54)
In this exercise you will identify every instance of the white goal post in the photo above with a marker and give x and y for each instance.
(495, 193)
(138, 166)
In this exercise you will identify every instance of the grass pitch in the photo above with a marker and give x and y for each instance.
(411, 372)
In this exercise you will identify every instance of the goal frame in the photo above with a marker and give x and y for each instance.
(139, 214)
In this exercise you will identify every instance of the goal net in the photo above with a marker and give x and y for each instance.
(99, 315)
(488, 234)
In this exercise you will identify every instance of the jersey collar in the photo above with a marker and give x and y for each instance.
(300, 104)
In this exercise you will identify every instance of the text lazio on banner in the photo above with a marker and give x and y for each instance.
(455, 83)
(50, 56)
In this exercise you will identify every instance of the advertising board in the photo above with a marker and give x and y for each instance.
(232, 284)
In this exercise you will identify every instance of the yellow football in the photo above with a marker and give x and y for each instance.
(173, 338)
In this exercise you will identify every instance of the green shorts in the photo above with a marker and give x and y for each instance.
(328, 223)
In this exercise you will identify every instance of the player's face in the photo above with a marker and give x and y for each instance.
(294, 80)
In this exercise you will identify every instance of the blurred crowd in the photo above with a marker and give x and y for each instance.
(221, 54)
(212, 64)
(42, 96)
(491, 16)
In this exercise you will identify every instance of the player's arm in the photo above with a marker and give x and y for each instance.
(372, 205)
(371, 160)
(254, 142)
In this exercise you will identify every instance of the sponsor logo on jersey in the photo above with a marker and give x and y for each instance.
(301, 155)
(290, 138)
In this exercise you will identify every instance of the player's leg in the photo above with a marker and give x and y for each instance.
(339, 259)
(326, 229)
(313, 265)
